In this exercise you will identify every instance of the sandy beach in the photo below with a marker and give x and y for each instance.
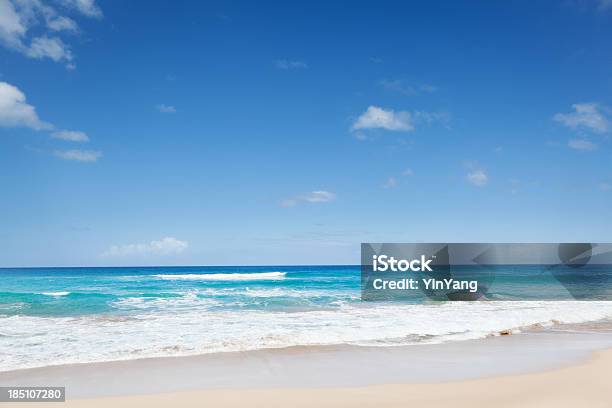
(583, 385)
(537, 369)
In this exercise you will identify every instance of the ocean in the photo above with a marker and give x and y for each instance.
(51, 316)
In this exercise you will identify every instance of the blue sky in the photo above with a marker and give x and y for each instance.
(184, 133)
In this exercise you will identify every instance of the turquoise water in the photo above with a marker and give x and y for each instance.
(51, 292)
(70, 315)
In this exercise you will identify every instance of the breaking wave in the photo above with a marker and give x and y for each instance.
(224, 276)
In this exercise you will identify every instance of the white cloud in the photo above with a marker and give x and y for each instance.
(19, 19)
(86, 7)
(165, 108)
(70, 135)
(62, 23)
(12, 26)
(605, 186)
(15, 111)
(401, 121)
(390, 183)
(379, 118)
(87, 156)
(164, 247)
(317, 196)
(408, 172)
(49, 47)
(477, 177)
(285, 64)
(582, 144)
(587, 116)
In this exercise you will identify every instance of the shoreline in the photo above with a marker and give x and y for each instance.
(324, 367)
(601, 326)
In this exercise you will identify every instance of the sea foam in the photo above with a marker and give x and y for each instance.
(224, 276)
(55, 294)
(205, 329)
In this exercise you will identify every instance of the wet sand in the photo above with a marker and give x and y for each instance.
(532, 369)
